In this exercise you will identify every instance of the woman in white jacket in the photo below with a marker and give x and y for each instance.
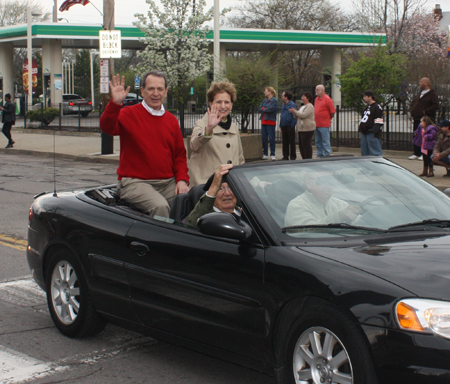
(305, 125)
(215, 138)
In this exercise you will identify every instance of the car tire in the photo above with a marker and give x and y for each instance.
(85, 114)
(68, 297)
(345, 358)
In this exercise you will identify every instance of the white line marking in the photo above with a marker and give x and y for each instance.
(23, 292)
(15, 367)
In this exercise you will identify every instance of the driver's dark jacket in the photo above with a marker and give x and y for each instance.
(204, 205)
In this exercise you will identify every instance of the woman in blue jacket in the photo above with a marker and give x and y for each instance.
(268, 110)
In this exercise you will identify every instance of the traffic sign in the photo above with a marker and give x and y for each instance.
(110, 44)
(104, 85)
(104, 68)
(137, 82)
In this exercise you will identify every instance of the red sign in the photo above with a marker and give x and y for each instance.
(33, 75)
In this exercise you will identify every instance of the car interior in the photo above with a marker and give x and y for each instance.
(182, 204)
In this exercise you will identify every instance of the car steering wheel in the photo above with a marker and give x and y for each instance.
(370, 200)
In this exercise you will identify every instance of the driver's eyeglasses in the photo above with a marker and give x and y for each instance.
(223, 190)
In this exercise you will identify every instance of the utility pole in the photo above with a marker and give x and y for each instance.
(55, 11)
(108, 24)
(216, 40)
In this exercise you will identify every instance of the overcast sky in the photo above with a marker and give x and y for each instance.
(125, 9)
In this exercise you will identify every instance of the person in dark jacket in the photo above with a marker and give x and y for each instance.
(218, 197)
(441, 151)
(370, 126)
(287, 126)
(426, 103)
(8, 119)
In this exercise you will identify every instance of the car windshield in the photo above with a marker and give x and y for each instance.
(346, 197)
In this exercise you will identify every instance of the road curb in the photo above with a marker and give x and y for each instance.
(85, 158)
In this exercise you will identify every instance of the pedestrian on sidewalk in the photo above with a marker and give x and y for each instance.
(441, 151)
(305, 125)
(268, 110)
(8, 119)
(425, 137)
(324, 111)
(287, 126)
(426, 103)
(370, 126)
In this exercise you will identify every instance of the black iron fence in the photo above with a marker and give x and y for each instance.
(78, 118)
(397, 130)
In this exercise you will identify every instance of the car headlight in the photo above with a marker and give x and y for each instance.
(421, 315)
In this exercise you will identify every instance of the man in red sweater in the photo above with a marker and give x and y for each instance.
(323, 113)
(153, 166)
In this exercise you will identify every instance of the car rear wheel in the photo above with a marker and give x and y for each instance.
(85, 114)
(325, 346)
(68, 297)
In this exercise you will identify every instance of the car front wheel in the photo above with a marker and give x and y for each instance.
(68, 297)
(325, 346)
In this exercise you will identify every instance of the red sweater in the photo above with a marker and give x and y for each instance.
(151, 147)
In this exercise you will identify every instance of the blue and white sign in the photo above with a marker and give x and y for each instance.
(137, 82)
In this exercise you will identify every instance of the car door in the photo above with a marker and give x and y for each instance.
(200, 287)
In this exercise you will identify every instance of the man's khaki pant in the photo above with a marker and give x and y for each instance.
(149, 196)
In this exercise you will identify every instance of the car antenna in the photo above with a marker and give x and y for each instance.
(54, 163)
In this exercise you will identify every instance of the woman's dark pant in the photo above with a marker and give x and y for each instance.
(288, 136)
(304, 143)
(7, 131)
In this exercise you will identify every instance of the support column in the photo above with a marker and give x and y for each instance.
(6, 68)
(331, 65)
(52, 64)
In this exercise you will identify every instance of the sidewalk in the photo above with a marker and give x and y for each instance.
(87, 147)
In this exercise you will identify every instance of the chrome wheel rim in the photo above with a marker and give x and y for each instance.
(320, 357)
(65, 292)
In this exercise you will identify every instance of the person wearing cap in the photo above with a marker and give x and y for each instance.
(441, 151)
(215, 137)
(217, 198)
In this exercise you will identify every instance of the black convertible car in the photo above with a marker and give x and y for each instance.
(337, 272)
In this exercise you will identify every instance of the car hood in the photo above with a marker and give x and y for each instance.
(420, 266)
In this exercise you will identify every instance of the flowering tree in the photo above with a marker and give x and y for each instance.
(176, 41)
(421, 35)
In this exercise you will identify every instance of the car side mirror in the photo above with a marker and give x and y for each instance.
(222, 224)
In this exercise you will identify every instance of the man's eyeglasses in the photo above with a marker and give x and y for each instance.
(223, 190)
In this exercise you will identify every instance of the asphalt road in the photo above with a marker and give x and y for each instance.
(31, 348)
